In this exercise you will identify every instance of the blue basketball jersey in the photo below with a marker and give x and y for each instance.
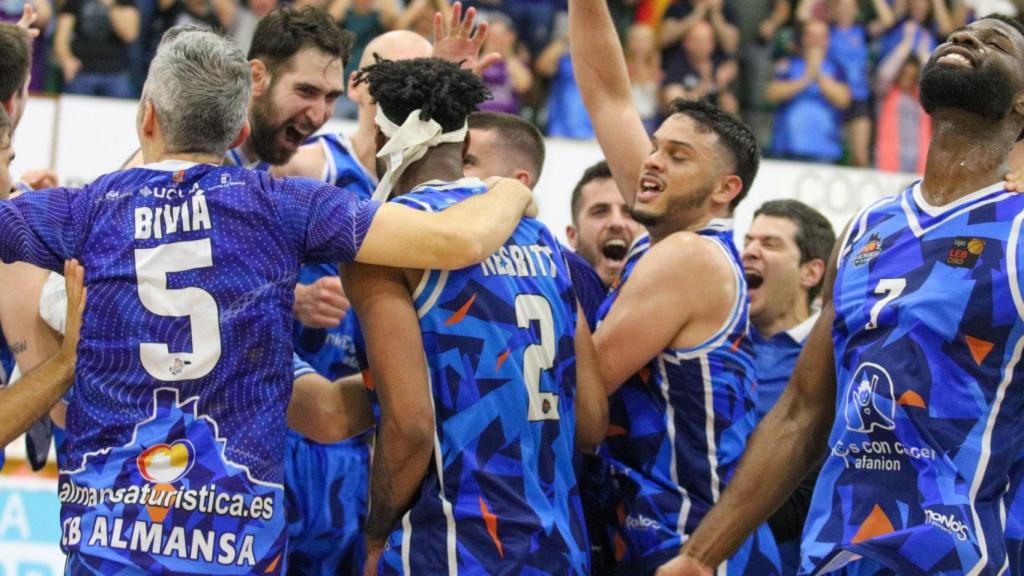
(677, 430)
(928, 333)
(237, 157)
(501, 495)
(176, 427)
(332, 351)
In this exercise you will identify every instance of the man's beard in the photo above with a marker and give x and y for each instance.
(265, 132)
(982, 91)
(675, 206)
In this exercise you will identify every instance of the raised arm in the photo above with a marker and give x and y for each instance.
(659, 300)
(405, 435)
(460, 236)
(603, 81)
(36, 392)
(591, 399)
(795, 431)
(124, 19)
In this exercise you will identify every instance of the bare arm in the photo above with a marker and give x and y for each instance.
(795, 431)
(62, 46)
(33, 395)
(646, 317)
(728, 35)
(405, 436)
(44, 11)
(889, 68)
(805, 10)
(329, 412)
(672, 29)
(460, 236)
(885, 18)
(604, 84)
(591, 399)
(387, 11)
(943, 18)
(547, 61)
(780, 91)
(125, 21)
(836, 92)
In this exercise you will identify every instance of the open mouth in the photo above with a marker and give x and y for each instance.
(956, 59)
(294, 136)
(650, 186)
(754, 279)
(615, 249)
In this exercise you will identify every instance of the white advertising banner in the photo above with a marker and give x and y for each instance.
(84, 137)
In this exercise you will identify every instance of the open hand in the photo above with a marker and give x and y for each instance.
(457, 42)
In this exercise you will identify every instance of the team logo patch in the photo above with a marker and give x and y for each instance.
(178, 176)
(166, 463)
(964, 252)
(869, 251)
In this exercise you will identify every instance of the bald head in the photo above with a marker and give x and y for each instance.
(394, 45)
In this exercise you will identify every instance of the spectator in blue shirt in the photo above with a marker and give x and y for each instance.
(848, 47)
(811, 94)
(567, 117)
(784, 258)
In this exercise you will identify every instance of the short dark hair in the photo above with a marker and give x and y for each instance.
(442, 90)
(1008, 20)
(16, 61)
(516, 133)
(734, 134)
(286, 31)
(814, 233)
(6, 129)
(598, 171)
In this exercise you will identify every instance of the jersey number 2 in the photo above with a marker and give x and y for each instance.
(538, 357)
(152, 265)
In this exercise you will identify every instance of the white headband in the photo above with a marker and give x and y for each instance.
(407, 144)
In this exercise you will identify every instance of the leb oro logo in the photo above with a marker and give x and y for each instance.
(167, 463)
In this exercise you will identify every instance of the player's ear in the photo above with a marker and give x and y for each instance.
(9, 105)
(243, 134)
(354, 91)
(729, 187)
(260, 77)
(524, 177)
(1018, 104)
(811, 273)
(149, 120)
(570, 235)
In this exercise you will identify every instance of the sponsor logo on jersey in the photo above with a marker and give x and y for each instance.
(166, 463)
(964, 252)
(870, 401)
(869, 251)
(641, 522)
(947, 523)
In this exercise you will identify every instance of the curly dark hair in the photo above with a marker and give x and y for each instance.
(443, 91)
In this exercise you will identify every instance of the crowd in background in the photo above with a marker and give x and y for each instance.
(832, 81)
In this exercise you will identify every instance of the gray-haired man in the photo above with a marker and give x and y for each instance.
(176, 429)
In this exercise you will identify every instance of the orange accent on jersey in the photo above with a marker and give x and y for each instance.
(736, 343)
(273, 565)
(979, 348)
(461, 312)
(645, 374)
(368, 380)
(911, 398)
(158, 513)
(620, 548)
(877, 524)
(616, 430)
(492, 525)
(502, 358)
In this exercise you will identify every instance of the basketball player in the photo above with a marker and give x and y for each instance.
(176, 428)
(910, 371)
(505, 145)
(672, 343)
(497, 402)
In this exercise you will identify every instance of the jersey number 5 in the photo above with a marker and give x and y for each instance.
(152, 265)
(538, 357)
